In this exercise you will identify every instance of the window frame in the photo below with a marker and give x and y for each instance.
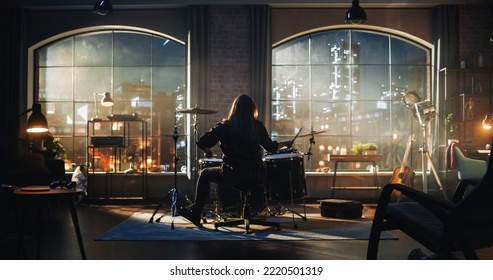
(32, 94)
(428, 93)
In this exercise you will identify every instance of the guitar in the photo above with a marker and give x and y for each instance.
(404, 175)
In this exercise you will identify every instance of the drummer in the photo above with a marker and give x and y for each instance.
(241, 137)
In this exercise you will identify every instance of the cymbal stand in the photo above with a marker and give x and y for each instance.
(312, 141)
(174, 193)
(196, 157)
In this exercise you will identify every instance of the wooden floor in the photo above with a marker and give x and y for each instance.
(59, 241)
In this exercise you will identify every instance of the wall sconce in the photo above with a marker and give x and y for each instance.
(36, 123)
(107, 101)
(356, 14)
(102, 7)
(488, 121)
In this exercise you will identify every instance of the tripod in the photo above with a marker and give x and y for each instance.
(424, 154)
(174, 194)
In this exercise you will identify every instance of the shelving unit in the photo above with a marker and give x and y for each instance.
(117, 153)
(468, 94)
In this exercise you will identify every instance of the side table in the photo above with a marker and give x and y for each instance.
(355, 158)
(39, 195)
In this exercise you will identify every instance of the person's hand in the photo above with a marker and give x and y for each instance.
(286, 144)
(208, 153)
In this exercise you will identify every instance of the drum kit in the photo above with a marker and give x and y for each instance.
(174, 194)
(285, 179)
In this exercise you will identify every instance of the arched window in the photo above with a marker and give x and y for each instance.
(348, 84)
(144, 72)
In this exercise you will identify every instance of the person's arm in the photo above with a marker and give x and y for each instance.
(207, 152)
(210, 139)
(269, 144)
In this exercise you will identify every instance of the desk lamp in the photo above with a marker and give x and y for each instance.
(107, 101)
(36, 123)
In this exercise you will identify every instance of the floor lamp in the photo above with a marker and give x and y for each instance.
(424, 111)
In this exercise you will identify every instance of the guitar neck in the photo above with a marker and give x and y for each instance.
(406, 154)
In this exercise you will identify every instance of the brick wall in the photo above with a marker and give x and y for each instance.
(475, 29)
(230, 56)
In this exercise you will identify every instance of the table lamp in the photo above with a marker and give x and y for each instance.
(36, 123)
(107, 101)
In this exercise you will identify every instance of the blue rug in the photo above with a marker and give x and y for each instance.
(138, 228)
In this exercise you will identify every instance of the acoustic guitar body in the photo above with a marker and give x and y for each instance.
(404, 176)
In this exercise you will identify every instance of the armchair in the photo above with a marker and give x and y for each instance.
(469, 168)
(462, 224)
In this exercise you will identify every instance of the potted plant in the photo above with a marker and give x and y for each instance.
(453, 127)
(364, 148)
(370, 149)
(53, 147)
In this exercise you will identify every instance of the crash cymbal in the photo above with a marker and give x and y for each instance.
(196, 110)
(312, 133)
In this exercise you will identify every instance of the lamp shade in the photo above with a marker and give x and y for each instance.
(37, 121)
(107, 101)
(102, 7)
(356, 14)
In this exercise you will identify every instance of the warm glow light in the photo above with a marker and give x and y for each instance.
(487, 121)
(36, 123)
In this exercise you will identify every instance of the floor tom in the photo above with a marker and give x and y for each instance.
(285, 176)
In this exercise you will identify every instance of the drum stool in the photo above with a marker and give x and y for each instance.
(246, 215)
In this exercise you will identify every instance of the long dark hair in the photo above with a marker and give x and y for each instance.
(242, 117)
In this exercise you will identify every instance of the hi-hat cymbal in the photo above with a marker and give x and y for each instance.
(312, 133)
(196, 110)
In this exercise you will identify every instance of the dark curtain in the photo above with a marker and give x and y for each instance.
(261, 59)
(446, 36)
(199, 26)
(446, 42)
(10, 61)
(199, 46)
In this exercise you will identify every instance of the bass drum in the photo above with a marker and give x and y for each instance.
(229, 197)
(285, 176)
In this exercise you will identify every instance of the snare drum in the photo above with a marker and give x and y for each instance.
(209, 162)
(285, 176)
